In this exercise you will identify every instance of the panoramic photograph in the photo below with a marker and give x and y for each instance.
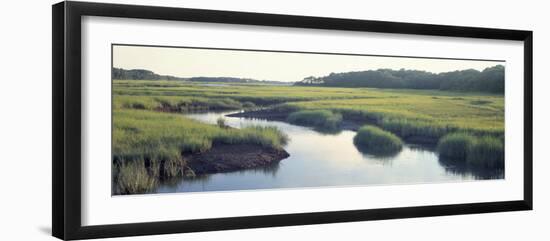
(188, 119)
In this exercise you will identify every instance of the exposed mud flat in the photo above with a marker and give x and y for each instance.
(228, 158)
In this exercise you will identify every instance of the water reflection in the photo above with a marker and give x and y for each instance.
(462, 168)
(368, 153)
(328, 131)
(320, 159)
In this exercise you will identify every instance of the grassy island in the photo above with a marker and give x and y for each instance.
(374, 140)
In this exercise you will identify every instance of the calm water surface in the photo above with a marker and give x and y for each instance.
(318, 159)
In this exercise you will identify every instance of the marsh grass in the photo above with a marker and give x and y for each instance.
(469, 127)
(410, 128)
(179, 104)
(260, 95)
(455, 146)
(418, 112)
(266, 136)
(419, 116)
(480, 102)
(221, 122)
(149, 146)
(482, 151)
(323, 119)
(427, 113)
(373, 140)
(133, 178)
(141, 135)
(487, 152)
(164, 169)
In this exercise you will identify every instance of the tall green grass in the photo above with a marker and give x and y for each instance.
(178, 103)
(258, 94)
(426, 114)
(411, 128)
(149, 145)
(144, 135)
(374, 140)
(415, 128)
(266, 136)
(141, 134)
(132, 178)
(317, 118)
(487, 152)
(414, 114)
(455, 146)
(482, 151)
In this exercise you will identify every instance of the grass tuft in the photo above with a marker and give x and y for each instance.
(487, 152)
(373, 140)
(482, 151)
(133, 178)
(455, 146)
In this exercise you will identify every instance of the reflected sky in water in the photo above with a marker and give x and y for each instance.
(320, 159)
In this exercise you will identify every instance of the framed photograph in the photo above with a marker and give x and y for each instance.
(169, 120)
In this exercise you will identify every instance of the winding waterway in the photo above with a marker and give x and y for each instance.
(320, 159)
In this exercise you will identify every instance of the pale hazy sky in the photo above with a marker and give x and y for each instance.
(261, 65)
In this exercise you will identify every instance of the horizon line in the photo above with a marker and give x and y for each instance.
(244, 78)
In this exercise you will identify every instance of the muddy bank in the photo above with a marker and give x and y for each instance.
(135, 177)
(228, 158)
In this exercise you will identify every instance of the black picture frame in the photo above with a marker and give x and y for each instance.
(66, 157)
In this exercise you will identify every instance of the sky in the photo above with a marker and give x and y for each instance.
(262, 65)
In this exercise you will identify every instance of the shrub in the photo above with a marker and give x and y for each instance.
(317, 118)
(374, 140)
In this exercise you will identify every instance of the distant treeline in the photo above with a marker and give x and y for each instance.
(140, 74)
(233, 80)
(143, 74)
(489, 80)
